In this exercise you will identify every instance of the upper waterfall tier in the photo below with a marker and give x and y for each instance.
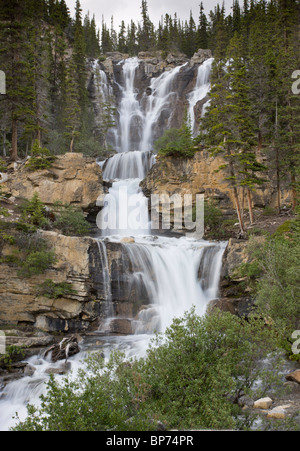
(145, 102)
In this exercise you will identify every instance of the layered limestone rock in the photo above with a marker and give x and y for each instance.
(19, 303)
(102, 287)
(201, 175)
(234, 298)
(72, 179)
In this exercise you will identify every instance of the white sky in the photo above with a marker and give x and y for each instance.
(131, 9)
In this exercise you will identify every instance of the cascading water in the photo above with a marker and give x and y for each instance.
(128, 165)
(137, 113)
(163, 90)
(201, 90)
(170, 273)
(174, 274)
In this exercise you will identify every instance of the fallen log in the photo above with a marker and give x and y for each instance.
(63, 350)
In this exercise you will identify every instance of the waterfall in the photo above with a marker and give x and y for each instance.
(163, 92)
(105, 278)
(170, 275)
(200, 91)
(138, 114)
(125, 211)
(169, 272)
(128, 165)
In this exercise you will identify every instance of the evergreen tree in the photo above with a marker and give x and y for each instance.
(202, 33)
(14, 50)
(132, 42)
(79, 57)
(72, 116)
(122, 43)
(146, 33)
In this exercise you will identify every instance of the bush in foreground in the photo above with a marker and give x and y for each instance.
(191, 378)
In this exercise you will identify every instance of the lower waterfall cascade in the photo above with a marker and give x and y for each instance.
(174, 273)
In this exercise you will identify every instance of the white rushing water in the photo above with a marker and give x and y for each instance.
(175, 273)
(201, 90)
(137, 113)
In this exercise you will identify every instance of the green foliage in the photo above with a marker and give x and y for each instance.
(12, 353)
(190, 378)
(54, 290)
(269, 211)
(212, 216)
(274, 277)
(33, 215)
(70, 220)
(35, 255)
(177, 142)
(3, 166)
(278, 288)
(37, 263)
(41, 158)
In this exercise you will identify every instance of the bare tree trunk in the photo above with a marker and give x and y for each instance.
(14, 141)
(238, 210)
(249, 197)
(236, 199)
(4, 144)
(277, 162)
(39, 138)
(294, 192)
(278, 184)
(72, 144)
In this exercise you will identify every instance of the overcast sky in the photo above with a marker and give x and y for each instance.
(131, 9)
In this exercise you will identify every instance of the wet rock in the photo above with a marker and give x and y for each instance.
(29, 370)
(61, 370)
(121, 326)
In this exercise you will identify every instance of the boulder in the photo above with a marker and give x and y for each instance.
(61, 370)
(263, 403)
(294, 376)
(200, 56)
(277, 413)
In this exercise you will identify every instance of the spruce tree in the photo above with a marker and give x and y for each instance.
(202, 33)
(14, 49)
(72, 116)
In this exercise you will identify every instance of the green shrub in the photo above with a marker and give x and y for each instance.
(4, 236)
(269, 211)
(70, 220)
(13, 353)
(278, 291)
(190, 378)
(37, 262)
(37, 255)
(212, 215)
(33, 215)
(41, 158)
(54, 290)
(177, 142)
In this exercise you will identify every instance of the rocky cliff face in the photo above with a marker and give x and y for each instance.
(72, 179)
(102, 286)
(200, 175)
